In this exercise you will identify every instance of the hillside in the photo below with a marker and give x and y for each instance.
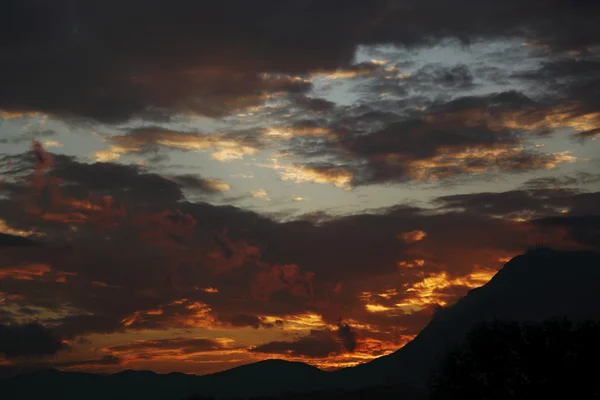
(538, 285)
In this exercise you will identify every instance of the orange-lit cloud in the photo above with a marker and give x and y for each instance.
(449, 162)
(191, 269)
(411, 264)
(260, 194)
(288, 132)
(413, 236)
(7, 229)
(209, 290)
(4, 114)
(278, 277)
(356, 71)
(25, 272)
(336, 176)
(183, 313)
(181, 349)
(221, 147)
(427, 291)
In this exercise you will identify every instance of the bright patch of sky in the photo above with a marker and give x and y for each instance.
(252, 172)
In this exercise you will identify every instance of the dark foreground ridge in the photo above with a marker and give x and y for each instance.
(534, 287)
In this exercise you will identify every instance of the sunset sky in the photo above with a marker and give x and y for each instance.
(208, 184)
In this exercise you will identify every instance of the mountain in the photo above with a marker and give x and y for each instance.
(538, 285)
(265, 378)
(270, 377)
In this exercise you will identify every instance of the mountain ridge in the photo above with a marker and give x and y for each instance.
(540, 284)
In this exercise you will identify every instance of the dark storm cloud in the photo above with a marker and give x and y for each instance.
(442, 77)
(347, 335)
(317, 344)
(78, 325)
(582, 178)
(313, 104)
(528, 203)
(464, 136)
(29, 340)
(204, 58)
(243, 320)
(572, 85)
(91, 60)
(154, 268)
(583, 229)
(540, 201)
(126, 183)
(28, 136)
(195, 182)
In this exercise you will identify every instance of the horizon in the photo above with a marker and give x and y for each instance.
(211, 185)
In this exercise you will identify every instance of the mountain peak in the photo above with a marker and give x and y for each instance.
(539, 284)
(544, 266)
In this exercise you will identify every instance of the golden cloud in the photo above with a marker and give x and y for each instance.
(25, 272)
(450, 162)
(222, 148)
(427, 291)
(260, 194)
(18, 114)
(337, 176)
(288, 132)
(413, 236)
(7, 229)
(218, 185)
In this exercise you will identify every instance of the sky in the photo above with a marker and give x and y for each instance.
(201, 185)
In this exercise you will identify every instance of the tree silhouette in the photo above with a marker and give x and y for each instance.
(512, 360)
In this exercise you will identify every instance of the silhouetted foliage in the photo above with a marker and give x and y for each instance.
(370, 393)
(512, 360)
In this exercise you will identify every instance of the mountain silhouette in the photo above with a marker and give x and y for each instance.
(539, 285)
(269, 377)
(536, 286)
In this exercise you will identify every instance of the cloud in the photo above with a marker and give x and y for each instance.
(185, 345)
(194, 182)
(569, 88)
(129, 72)
(323, 173)
(140, 140)
(556, 182)
(413, 236)
(363, 69)
(29, 340)
(444, 140)
(136, 266)
(277, 278)
(317, 344)
(34, 134)
(260, 194)
(52, 143)
(524, 204)
(244, 320)
(347, 336)
(24, 272)
(439, 76)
